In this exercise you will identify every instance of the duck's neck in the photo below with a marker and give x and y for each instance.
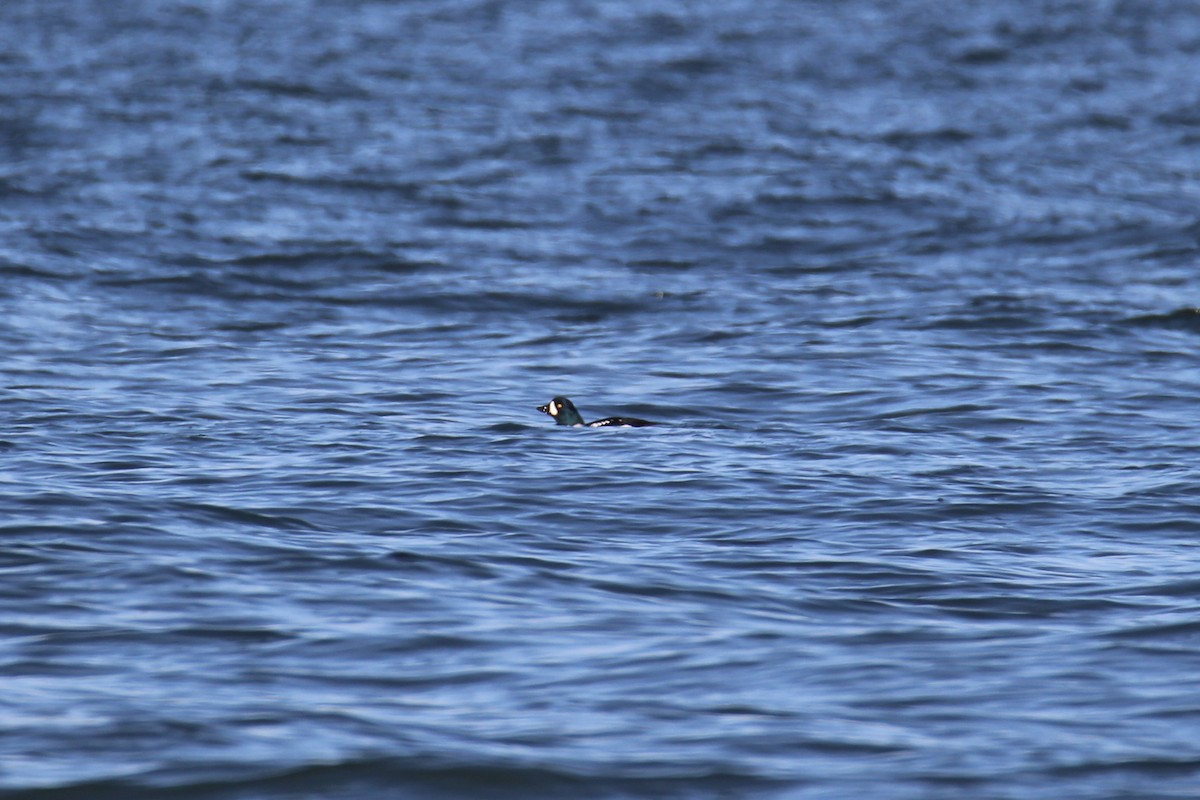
(568, 416)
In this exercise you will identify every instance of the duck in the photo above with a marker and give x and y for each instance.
(565, 413)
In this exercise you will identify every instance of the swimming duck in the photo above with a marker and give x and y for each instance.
(565, 413)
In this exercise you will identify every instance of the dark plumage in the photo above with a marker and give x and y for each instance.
(565, 413)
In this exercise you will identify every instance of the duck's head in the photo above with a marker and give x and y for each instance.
(563, 411)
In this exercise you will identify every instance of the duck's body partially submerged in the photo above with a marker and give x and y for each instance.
(565, 413)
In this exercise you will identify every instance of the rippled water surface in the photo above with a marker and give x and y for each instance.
(911, 286)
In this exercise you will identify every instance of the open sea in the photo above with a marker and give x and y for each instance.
(911, 285)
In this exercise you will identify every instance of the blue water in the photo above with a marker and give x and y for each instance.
(912, 287)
